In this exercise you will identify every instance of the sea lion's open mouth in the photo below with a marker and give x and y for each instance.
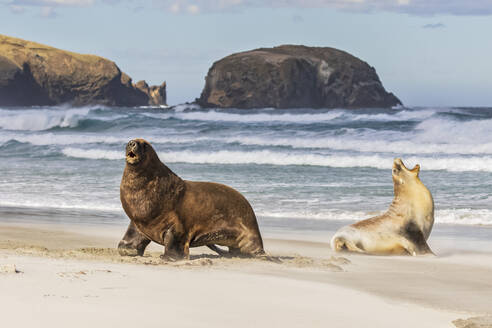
(134, 152)
(132, 158)
(398, 164)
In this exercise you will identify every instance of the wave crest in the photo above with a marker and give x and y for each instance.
(40, 119)
(271, 115)
(266, 157)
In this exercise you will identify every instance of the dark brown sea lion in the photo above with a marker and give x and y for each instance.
(403, 229)
(180, 214)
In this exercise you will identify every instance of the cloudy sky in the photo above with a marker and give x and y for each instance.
(428, 52)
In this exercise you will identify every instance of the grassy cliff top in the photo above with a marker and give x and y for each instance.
(53, 60)
(11, 47)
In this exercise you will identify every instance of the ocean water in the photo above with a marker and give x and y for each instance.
(300, 169)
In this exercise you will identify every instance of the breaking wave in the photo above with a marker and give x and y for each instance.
(266, 157)
(286, 116)
(40, 119)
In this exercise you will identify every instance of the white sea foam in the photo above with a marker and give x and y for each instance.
(337, 215)
(43, 139)
(404, 115)
(93, 153)
(456, 132)
(445, 216)
(43, 118)
(464, 216)
(218, 116)
(62, 204)
(70, 107)
(270, 158)
(238, 157)
(324, 116)
(369, 144)
(453, 164)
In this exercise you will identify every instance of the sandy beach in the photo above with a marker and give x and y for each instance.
(69, 275)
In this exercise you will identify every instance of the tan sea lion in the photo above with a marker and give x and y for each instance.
(180, 214)
(403, 229)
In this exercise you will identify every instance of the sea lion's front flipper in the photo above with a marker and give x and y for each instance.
(425, 249)
(133, 242)
(413, 233)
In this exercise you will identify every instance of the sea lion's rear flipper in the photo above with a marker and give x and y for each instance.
(219, 251)
(341, 244)
(270, 258)
(259, 254)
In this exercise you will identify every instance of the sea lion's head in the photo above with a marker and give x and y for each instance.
(402, 175)
(139, 152)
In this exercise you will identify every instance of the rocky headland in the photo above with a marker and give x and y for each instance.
(291, 76)
(36, 74)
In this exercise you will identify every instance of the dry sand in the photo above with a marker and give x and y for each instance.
(72, 276)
